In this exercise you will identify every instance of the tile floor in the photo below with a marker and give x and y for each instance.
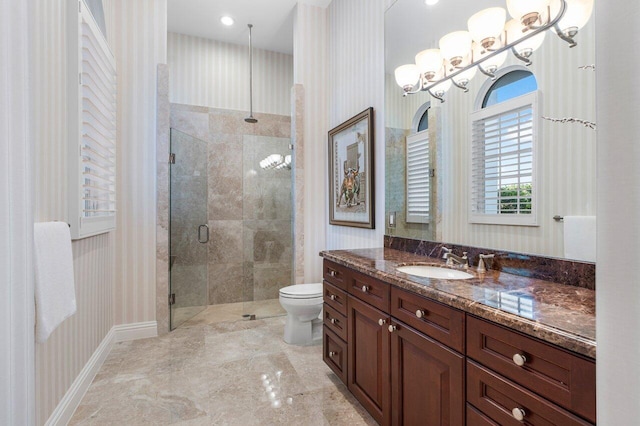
(213, 371)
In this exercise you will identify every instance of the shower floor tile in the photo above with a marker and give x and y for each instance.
(229, 312)
(213, 372)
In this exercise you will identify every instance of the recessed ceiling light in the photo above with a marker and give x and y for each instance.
(227, 20)
(430, 2)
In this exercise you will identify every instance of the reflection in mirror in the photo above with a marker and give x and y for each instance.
(565, 176)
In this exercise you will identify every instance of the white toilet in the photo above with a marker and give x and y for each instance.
(303, 303)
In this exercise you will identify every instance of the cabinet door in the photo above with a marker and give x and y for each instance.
(368, 351)
(427, 380)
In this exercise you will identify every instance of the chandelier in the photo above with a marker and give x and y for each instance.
(486, 44)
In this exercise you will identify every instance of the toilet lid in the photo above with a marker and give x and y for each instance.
(302, 291)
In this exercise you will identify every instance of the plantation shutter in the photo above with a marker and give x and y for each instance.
(503, 155)
(95, 158)
(418, 178)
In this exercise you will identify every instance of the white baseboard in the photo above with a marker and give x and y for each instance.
(119, 333)
(135, 331)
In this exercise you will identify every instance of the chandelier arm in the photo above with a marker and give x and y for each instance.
(460, 86)
(570, 40)
(524, 59)
(435, 96)
(491, 75)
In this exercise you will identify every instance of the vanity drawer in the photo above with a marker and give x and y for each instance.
(562, 377)
(441, 322)
(335, 322)
(335, 298)
(370, 290)
(476, 418)
(335, 274)
(334, 354)
(497, 397)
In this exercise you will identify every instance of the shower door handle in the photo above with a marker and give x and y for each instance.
(204, 240)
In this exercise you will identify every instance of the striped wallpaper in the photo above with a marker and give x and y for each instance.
(139, 45)
(216, 75)
(310, 70)
(60, 359)
(101, 303)
(356, 82)
(16, 219)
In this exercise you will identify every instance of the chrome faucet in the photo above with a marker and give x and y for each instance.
(453, 260)
(481, 261)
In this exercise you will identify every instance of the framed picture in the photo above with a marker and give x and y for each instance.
(351, 183)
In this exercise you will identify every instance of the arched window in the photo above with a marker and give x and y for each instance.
(504, 150)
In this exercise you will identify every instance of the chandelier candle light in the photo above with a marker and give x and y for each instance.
(486, 45)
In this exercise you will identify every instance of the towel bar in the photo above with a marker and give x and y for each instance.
(558, 218)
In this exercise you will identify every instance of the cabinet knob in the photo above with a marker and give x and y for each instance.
(365, 288)
(392, 328)
(333, 273)
(518, 414)
(382, 321)
(332, 297)
(519, 360)
(333, 320)
(332, 354)
(420, 313)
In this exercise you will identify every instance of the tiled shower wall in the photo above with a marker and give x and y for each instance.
(249, 209)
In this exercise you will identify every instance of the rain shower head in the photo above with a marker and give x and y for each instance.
(250, 118)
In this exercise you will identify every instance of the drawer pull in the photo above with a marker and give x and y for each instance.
(365, 288)
(333, 320)
(332, 354)
(518, 414)
(420, 313)
(392, 328)
(519, 360)
(382, 321)
(332, 297)
(333, 273)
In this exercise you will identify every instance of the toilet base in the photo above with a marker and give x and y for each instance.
(302, 333)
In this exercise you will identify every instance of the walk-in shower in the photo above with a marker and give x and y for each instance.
(231, 240)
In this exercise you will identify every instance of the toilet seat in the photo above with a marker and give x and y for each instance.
(302, 291)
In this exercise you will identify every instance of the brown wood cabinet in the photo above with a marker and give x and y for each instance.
(427, 380)
(410, 360)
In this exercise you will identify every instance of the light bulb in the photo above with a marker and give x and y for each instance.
(526, 47)
(456, 47)
(487, 25)
(407, 76)
(429, 63)
(227, 20)
(527, 12)
(575, 16)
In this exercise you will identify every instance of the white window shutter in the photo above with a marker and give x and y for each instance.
(418, 183)
(92, 205)
(503, 179)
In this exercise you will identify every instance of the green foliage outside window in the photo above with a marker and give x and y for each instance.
(514, 202)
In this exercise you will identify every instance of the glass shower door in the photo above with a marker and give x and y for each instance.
(189, 231)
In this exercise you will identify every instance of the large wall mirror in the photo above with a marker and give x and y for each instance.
(430, 164)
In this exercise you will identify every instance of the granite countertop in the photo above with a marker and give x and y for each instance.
(556, 313)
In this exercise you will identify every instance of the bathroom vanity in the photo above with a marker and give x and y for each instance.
(495, 349)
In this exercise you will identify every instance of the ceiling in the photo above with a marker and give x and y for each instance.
(411, 26)
(272, 21)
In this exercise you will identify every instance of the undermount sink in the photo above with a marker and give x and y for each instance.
(434, 272)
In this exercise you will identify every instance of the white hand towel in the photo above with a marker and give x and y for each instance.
(580, 238)
(54, 289)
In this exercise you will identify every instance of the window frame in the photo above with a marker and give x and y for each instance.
(533, 99)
